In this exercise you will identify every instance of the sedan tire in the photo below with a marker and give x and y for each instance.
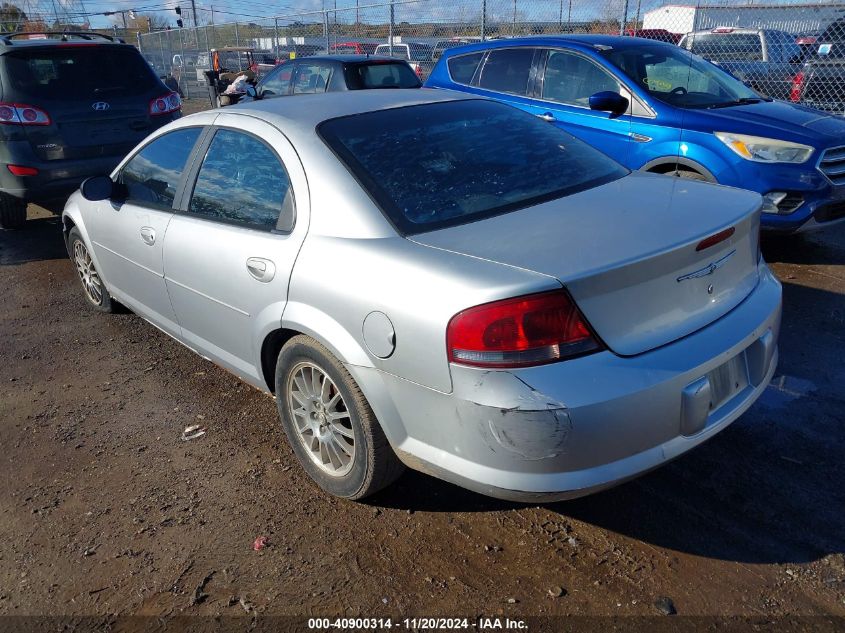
(329, 423)
(92, 285)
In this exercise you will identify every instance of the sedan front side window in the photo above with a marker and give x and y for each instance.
(152, 176)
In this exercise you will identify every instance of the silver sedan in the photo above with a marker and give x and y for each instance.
(441, 282)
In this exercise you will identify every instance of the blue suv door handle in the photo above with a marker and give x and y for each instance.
(547, 116)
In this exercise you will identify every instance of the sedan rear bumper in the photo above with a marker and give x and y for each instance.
(571, 428)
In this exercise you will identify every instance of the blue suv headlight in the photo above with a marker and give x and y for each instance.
(765, 150)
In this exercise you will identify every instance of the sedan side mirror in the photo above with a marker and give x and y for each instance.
(609, 101)
(252, 91)
(97, 188)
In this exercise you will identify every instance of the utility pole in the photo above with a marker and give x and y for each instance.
(483, 19)
(391, 29)
(624, 18)
(194, 12)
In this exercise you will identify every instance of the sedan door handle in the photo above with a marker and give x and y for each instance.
(547, 116)
(261, 269)
(148, 234)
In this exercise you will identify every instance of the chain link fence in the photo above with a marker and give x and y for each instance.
(786, 50)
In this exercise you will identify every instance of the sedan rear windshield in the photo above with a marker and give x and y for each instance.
(462, 161)
(79, 72)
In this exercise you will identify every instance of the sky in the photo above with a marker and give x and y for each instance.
(436, 10)
(417, 10)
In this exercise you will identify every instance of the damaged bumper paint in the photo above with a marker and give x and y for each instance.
(568, 429)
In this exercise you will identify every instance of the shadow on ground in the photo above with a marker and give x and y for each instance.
(40, 239)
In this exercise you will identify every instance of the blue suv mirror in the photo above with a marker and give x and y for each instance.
(608, 101)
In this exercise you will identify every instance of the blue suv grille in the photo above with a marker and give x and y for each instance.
(832, 165)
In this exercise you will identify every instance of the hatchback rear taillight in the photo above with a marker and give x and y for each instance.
(166, 104)
(22, 170)
(22, 114)
(797, 87)
(520, 332)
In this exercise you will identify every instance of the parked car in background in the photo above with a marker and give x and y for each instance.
(454, 42)
(234, 59)
(808, 43)
(72, 105)
(821, 81)
(334, 73)
(495, 302)
(293, 51)
(661, 35)
(186, 63)
(766, 60)
(416, 54)
(353, 48)
(657, 107)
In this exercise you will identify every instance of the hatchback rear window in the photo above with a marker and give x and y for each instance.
(79, 72)
(462, 161)
(382, 75)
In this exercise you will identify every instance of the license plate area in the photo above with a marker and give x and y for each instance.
(727, 380)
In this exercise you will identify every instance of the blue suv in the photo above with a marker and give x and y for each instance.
(656, 107)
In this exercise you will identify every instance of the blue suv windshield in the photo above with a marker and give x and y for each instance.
(679, 78)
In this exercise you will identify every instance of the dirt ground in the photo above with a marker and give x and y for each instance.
(105, 510)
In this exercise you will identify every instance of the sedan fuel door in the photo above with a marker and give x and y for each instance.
(127, 234)
(231, 248)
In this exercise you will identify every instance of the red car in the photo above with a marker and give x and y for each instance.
(353, 48)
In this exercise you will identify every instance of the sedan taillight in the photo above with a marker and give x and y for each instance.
(166, 104)
(520, 332)
(22, 114)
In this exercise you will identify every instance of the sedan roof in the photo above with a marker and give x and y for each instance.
(295, 116)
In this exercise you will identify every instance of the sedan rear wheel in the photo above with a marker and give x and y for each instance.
(323, 422)
(329, 423)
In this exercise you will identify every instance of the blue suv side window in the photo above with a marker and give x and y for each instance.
(462, 68)
(572, 79)
(507, 70)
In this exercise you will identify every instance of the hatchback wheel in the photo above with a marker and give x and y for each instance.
(93, 287)
(12, 212)
(329, 423)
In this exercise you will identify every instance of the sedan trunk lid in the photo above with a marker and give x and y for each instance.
(627, 253)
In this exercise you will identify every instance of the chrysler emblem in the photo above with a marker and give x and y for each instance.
(100, 106)
(707, 270)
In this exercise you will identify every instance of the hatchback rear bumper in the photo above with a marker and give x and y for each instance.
(571, 428)
(55, 179)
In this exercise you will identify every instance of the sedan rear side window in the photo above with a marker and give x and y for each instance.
(153, 174)
(462, 161)
(242, 182)
(507, 70)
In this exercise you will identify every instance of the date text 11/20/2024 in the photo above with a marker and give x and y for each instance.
(418, 624)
